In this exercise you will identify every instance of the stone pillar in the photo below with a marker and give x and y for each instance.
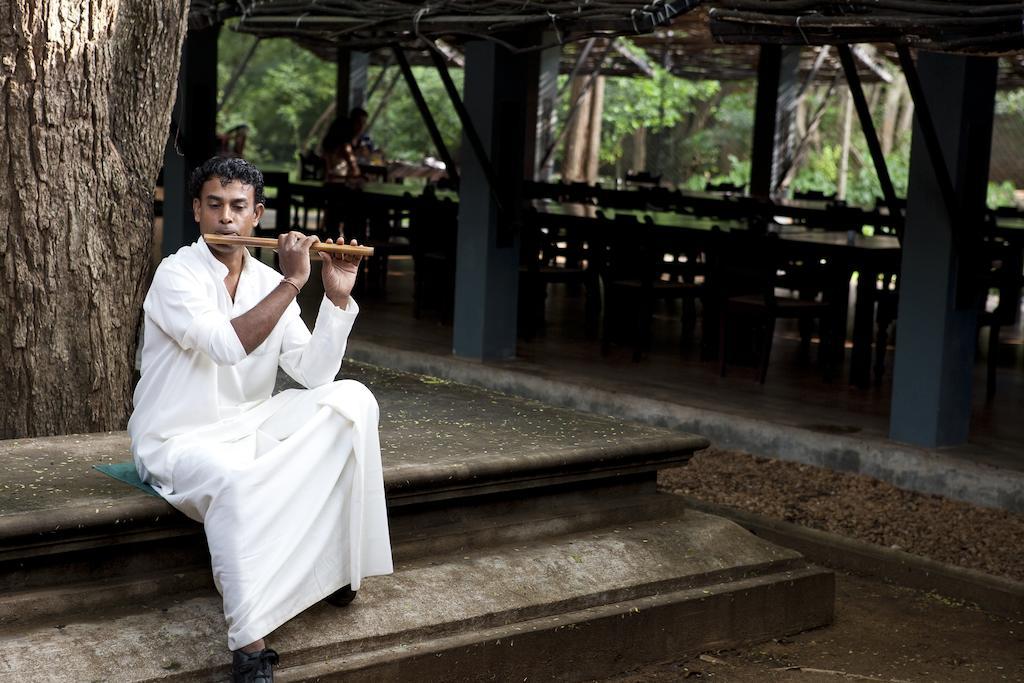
(195, 140)
(500, 93)
(932, 374)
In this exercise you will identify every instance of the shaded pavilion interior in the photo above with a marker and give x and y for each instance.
(936, 395)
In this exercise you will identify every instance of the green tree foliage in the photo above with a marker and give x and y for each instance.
(719, 151)
(285, 89)
(697, 131)
(657, 103)
(281, 93)
(399, 129)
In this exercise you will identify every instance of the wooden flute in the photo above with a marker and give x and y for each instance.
(271, 243)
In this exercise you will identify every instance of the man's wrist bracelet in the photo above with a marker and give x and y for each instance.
(293, 284)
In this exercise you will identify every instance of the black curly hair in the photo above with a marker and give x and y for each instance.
(227, 169)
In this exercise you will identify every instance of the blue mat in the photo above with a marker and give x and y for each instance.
(125, 471)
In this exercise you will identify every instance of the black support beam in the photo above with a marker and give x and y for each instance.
(868, 126)
(193, 135)
(428, 118)
(469, 130)
(929, 134)
(769, 65)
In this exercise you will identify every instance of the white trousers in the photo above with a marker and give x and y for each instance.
(293, 509)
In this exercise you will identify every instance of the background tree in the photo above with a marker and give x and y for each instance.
(87, 87)
(285, 89)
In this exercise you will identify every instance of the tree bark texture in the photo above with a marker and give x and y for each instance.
(639, 150)
(906, 115)
(893, 97)
(593, 158)
(87, 88)
(576, 136)
(844, 154)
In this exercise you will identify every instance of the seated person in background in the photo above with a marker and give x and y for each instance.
(337, 150)
(231, 143)
(362, 143)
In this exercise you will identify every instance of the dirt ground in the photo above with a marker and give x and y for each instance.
(853, 505)
(881, 633)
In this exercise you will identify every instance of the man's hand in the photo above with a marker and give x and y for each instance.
(256, 324)
(293, 255)
(339, 275)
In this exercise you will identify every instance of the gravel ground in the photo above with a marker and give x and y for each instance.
(857, 506)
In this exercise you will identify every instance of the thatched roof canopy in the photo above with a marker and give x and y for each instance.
(367, 24)
(695, 39)
(965, 26)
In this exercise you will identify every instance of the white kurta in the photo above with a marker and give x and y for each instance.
(289, 488)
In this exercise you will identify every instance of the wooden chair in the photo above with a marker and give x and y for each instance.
(744, 282)
(311, 166)
(635, 277)
(1003, 266)
(309, 208)
(544, 261)
(1003, 272)
(887, 296)
(387, 231)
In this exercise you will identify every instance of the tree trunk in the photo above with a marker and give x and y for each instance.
(594, 130)
(906, 116)
(801, 118)
(87, 88)
(576, 136)
(639, 150)
(844, 154)
(873, 93)
(893, 95)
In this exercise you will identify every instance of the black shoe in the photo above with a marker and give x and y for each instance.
(341, 597)
(257, 667)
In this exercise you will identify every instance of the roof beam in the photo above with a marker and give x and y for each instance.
(637, 60)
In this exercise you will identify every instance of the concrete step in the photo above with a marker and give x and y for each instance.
(461, 465)
(440, 442)
(513, 524)
(109, 536)
(573, 606)
(65, 584)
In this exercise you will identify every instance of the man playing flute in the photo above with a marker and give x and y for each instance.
(289, 487)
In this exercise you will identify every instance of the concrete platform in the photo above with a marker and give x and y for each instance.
(692, 582)
(529, 541)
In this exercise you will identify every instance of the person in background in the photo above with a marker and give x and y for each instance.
(340, 161)
(362, 143)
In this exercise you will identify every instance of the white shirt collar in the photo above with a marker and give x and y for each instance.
(218, 268)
